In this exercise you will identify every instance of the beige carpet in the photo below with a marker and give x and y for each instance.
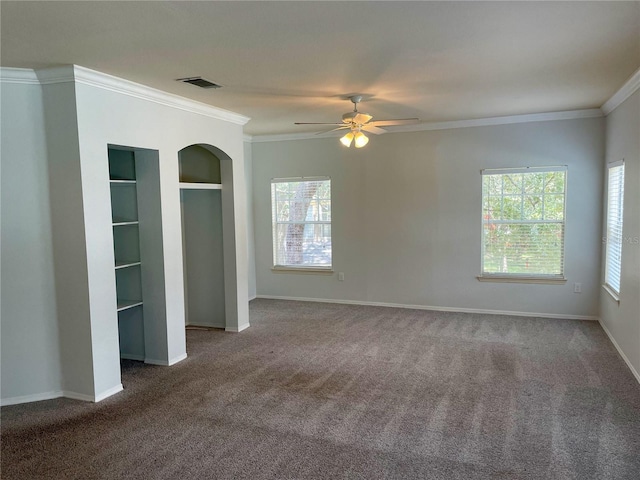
(332, 391)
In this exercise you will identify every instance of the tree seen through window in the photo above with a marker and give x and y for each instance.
(523, 221)
(301, 211)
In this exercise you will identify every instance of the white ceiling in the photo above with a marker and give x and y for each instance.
(281, 62)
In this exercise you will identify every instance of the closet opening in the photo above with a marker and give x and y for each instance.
(202, 201)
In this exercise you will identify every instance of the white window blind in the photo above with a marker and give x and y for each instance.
(301, 214)
(523, 222)
(614, 237)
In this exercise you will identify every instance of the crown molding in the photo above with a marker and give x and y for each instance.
(24, 76)
(55, 75)
(86, 76)
(624, 92)
(421, 127)
(506, 120)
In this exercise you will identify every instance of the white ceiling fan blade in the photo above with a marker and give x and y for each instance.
(373, 129)
(333, 130)
(316, 123)
(399, 121)
(362, 118)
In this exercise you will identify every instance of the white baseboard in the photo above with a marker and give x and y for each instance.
(622, 354)
(126, 356)
(253, 298)
(78, 396)
(237, 329)
(36, 397)
(152, 361)
(435, 308)
(165, 363)
(108, 393)
(204, 325)
(93, 398)
(179, 358)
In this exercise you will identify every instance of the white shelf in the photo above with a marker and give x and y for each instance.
(200, 186)
(126, 264)
(126, 304)
(122, 182)
(119, 222)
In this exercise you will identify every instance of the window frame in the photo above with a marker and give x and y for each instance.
(614, 290)
(298, 268)
(559, 278)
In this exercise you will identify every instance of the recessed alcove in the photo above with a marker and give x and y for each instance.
(199, 165)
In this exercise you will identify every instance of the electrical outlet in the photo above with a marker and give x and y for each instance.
(341, 276)
(577, 288)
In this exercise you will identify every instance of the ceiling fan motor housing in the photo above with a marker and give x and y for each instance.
(348, 117)
(356, 117)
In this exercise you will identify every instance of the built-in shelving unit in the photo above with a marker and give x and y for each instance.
(126, 247)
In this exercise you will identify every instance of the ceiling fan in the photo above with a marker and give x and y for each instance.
(357, 122)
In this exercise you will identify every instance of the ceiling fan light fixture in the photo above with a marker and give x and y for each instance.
(357, 121)
(361, 139)
(347, 139)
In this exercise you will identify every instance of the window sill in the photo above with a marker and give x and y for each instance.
(303, 270)
(610, 291)
(516, 279)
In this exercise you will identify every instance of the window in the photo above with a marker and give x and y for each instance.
(301, 212)
(613, 246)
(523, 223)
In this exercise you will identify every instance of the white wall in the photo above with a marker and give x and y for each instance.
(106, 116)
(623, 320)
(28, 327)
(407, 215)
(67, 235)
(248, 171)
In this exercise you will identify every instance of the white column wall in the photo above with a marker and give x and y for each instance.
(109, 117)
(70, 235)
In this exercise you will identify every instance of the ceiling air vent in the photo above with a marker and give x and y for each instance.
(199, 82)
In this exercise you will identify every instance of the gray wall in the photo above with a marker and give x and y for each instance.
(29, 330)
(623, 320)
(407, 215)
